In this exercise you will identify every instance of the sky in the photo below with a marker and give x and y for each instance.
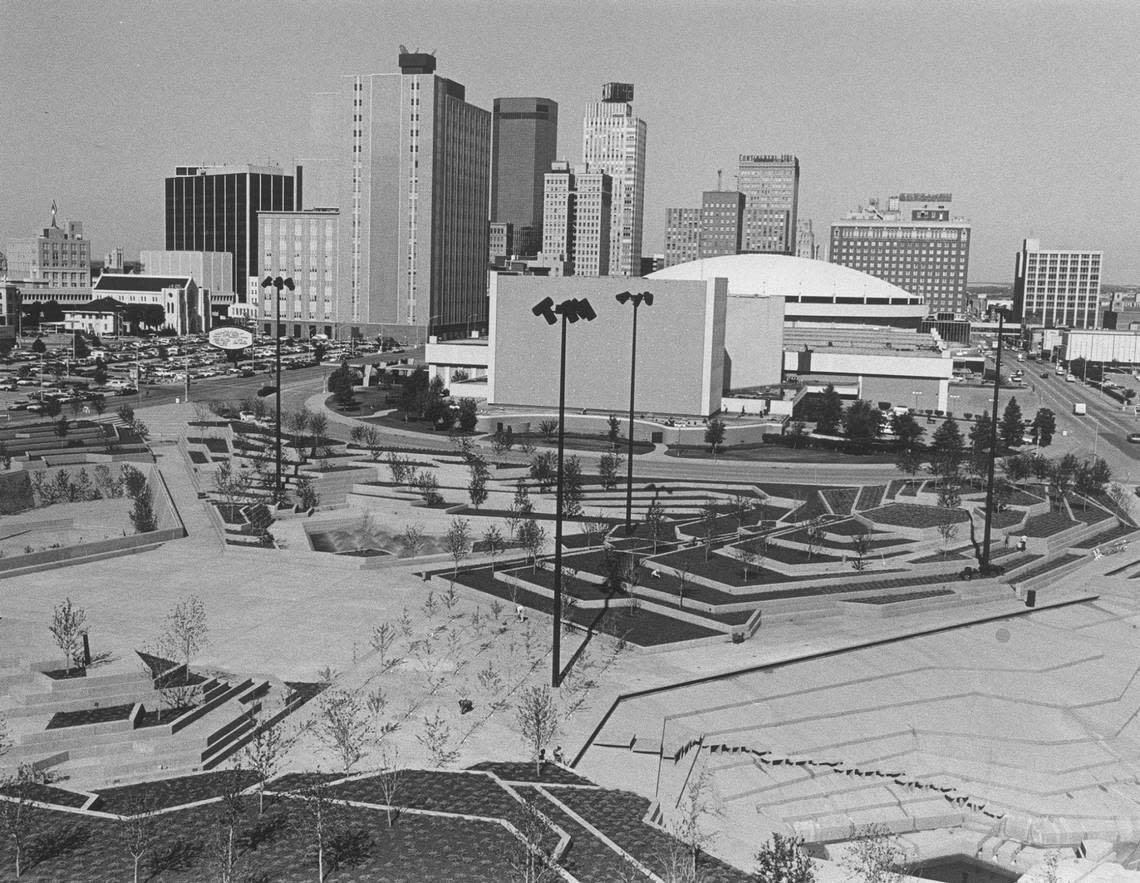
(1026, 110)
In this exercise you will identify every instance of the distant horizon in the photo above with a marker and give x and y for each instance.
(1015, 107)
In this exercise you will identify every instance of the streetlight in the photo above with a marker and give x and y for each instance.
(278, 283)
(638, 299)
(571, 310)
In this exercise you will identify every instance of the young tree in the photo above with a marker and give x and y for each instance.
(320, 818)
(714, 434)
(697, 805)
(571, 487)
(412, 540)
(533, 538)
(265, 752)
(494, 543)
(67, 626)
(594, 527)
(1044, 426)
(1012, 428)
(142, 513)
(830, 411)
(306, 492)
(537, 719)
(297, 422)
(185, 632)
(783, 860)
(544, 469)
(521, 507)
(19, 816)
(608, 470)
(948, 530)
(814, 533)
(875, 856)
(436, 739)
(345, 727)
(709, 516)
(341, 382)
(228, 819)
(468, 415)
(139, 828)
(503, 440)
(861, 546)
(477, 485)
(458, 542)
(390, 779)
(613, 431)
(548, 428)
(427, 485)
(655, 522)
(909, 462)
(318, 425)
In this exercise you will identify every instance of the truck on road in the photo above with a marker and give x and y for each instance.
(1079, 409)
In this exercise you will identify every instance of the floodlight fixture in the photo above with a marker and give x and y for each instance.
(545, 308)
(279, 283)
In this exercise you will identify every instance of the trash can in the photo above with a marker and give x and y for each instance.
(177, 400)
(1030, 597)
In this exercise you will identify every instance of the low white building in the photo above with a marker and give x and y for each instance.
(91, 320)
(1102, 346)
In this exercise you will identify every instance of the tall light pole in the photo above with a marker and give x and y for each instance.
(278, 283)
(637, 300)
(916, 394)
(571, 310)
(985, 562)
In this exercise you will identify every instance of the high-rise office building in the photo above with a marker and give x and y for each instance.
(304, 246)
(524, 142)
(214, 208)
(805, 239)
(711, 231)
(411, 159)
(722, 215)
(58, 258)
(771, 188)
(1056, 288)
(682, 235)
(578, 219)
(501, 241)
(613, 141)
(915, 244)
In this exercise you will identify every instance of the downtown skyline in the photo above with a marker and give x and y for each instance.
(1018, 109)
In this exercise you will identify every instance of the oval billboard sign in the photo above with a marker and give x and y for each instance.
(231, 338)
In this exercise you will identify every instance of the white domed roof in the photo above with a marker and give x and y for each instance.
(786, 276)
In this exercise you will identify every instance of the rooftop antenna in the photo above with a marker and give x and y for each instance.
(719, 172)
(403, 49)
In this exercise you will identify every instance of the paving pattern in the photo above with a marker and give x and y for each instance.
(1029, 727)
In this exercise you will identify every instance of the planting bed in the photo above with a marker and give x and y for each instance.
(643, 628)
(914, 515)
(898, 599)
(169, 792)
(108, 713)
(1107, 536)
(618, 815)
(1048, 524)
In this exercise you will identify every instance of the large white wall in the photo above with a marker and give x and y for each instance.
(680, 345)
(753, 340)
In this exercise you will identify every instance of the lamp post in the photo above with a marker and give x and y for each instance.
(278, 283)
(571, 310)
(637, 300)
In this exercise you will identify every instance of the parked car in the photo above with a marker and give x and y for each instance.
(1134, 438)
